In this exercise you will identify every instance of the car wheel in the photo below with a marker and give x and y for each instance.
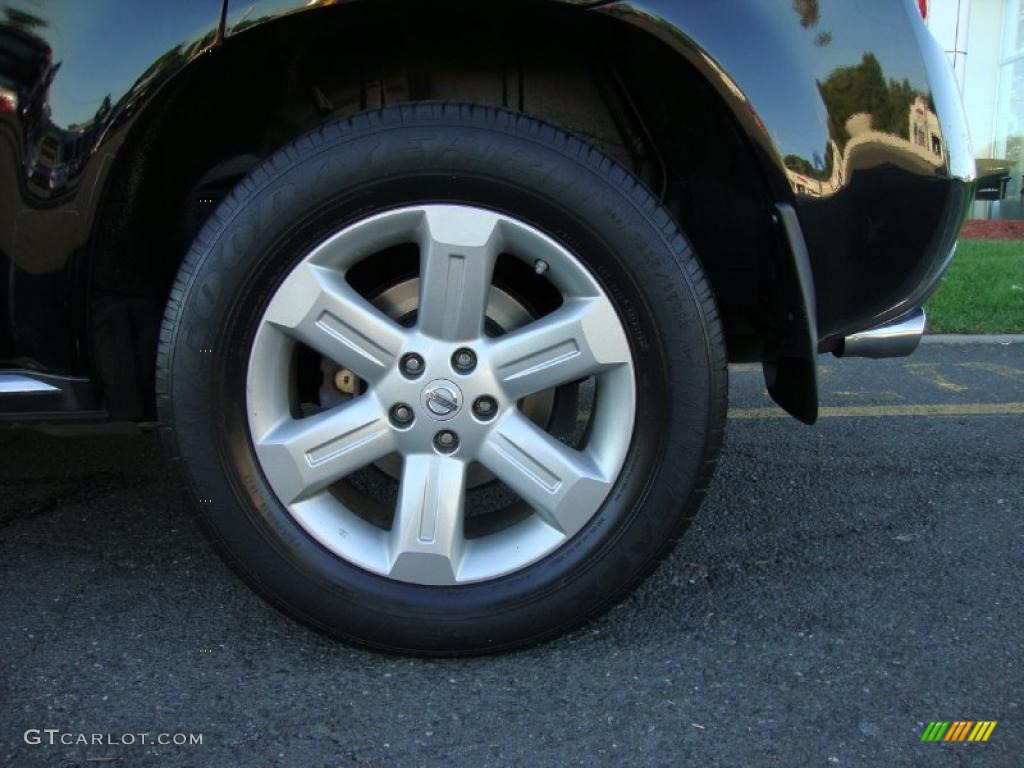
(443, 379)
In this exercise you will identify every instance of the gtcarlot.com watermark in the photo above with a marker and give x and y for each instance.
(55, 736)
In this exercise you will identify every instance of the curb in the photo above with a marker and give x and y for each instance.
(1004, 339)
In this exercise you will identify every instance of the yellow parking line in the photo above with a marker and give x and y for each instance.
(882, 393)
(999, 370)
(859, 411)
(823, 370)
(930, 373)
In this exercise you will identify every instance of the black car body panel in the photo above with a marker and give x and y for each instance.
(847, 105)
(830, 92)
(76, 75)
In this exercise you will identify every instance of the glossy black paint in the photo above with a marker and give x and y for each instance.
(74, 77)
(846, 105)
(828, 91)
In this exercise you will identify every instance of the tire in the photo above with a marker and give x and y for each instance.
(549, 189)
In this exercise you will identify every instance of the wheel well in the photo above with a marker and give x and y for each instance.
(610, 83)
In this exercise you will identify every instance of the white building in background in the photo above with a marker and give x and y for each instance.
(985, 43)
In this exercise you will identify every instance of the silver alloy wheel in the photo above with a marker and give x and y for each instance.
(302, 457)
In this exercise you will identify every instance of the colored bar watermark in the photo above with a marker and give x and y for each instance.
(958, 730)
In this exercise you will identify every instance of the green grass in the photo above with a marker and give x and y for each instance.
(983, 291)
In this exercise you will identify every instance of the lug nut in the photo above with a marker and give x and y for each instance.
(463, 360)
(446, 441)
(484, 407)
(412, 364)
(401, 415)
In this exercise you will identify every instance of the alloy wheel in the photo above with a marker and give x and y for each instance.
(442, 394)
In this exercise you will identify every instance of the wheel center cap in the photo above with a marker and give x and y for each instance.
(442, 399)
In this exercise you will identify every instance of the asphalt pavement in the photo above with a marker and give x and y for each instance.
(843, 586)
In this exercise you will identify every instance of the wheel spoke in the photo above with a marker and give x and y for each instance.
(427, 538)
(316, 306)
(458, 249)
(303, 456)
(564, 486)
(580, 338)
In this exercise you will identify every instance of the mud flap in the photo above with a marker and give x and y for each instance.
(792, 378)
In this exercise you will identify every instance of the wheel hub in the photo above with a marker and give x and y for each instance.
(442, 399)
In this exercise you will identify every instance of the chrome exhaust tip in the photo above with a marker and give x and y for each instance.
(896, 339)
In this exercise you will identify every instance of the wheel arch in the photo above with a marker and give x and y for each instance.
(701, 147)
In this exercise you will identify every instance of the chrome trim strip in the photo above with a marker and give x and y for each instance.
(19, 384)
(896, 339)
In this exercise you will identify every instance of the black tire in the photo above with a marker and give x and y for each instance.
(457, 153)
